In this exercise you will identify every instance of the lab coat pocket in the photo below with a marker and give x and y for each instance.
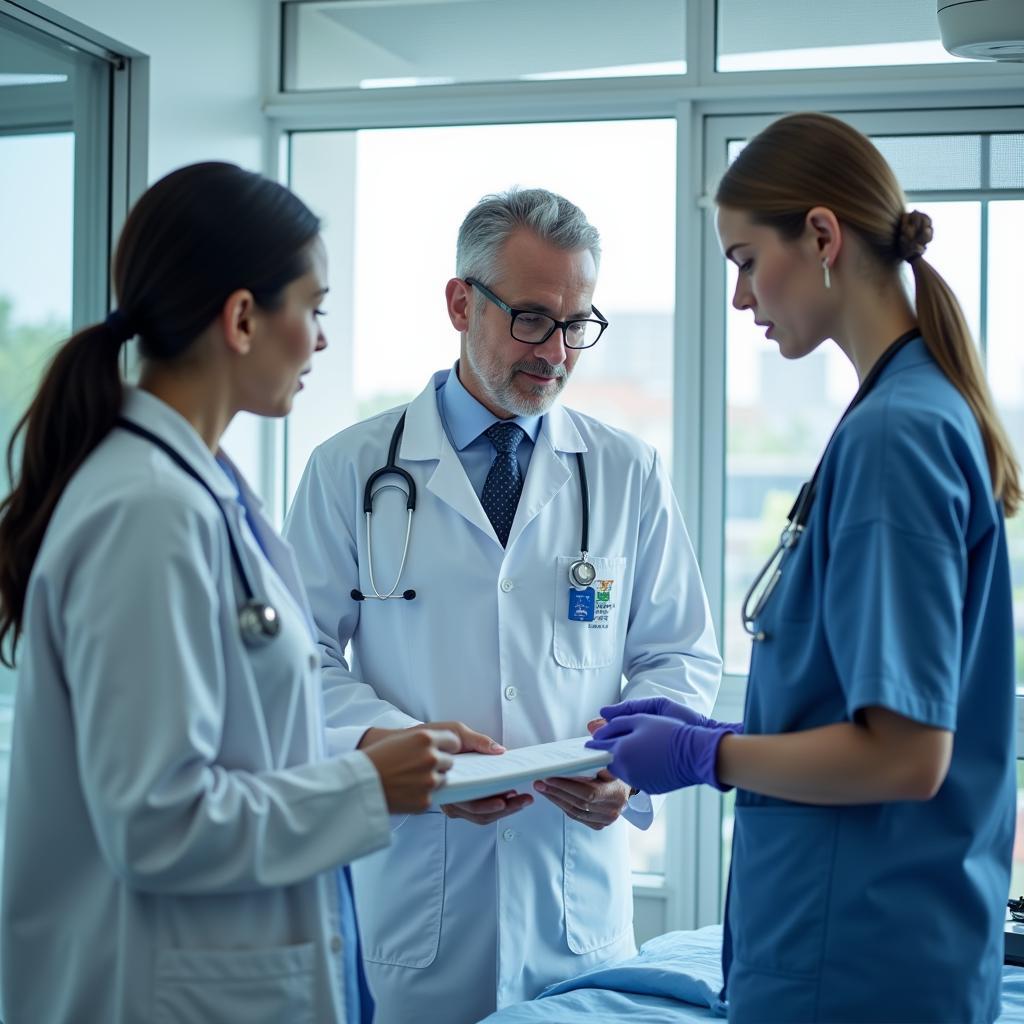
(597, 885)
(781, 880)
(259, 986)
(587, 620)
(400, 894)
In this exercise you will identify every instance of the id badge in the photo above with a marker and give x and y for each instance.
(581, 604)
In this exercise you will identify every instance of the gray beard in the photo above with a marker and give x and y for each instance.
(501, 388)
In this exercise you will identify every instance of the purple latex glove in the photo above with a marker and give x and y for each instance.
(668, 708)
(656, 753)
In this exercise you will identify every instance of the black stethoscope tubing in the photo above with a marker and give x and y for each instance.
(258, 622)
(799, 514)
(581, 573)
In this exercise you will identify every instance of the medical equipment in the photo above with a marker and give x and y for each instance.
(257, 622)
(582, 572)
(796, 521)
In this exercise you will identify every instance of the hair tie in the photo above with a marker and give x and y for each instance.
(914, 232)
(119, 325)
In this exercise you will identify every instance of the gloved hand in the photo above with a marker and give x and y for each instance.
(657, 753)
(668, 708)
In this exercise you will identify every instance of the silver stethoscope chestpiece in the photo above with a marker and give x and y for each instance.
(582, 572)
(258, 623)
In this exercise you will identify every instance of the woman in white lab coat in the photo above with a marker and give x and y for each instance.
(174, 827)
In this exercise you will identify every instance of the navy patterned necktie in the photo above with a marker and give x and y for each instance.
(504, 481)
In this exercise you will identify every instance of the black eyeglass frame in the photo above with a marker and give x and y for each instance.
(555, 324)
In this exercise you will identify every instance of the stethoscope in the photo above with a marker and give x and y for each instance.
(796, 521)
(581, 572)
(257, 622)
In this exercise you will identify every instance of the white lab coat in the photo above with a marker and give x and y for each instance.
(458, 918)
(173, 820)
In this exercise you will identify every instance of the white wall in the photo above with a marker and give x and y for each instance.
(208, 74)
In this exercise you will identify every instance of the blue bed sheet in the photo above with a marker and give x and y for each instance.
(675, 978)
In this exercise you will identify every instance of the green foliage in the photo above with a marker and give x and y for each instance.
(24, 350)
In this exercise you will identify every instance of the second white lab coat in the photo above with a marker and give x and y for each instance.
(174, 825)
(458, 918)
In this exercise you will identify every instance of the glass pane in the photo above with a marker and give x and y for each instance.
(48, 93)
(648, 848)
(926, 162)
(1005, 357)
(387, 323)
(728, 821)
(349, 44)
(1017, 872)
(792, 34)
(781, 413)
(1007, 161)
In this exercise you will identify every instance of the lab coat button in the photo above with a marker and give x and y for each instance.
(335, 944)
(313, 662)
(508, 835)
(507, 585)
(511, 693)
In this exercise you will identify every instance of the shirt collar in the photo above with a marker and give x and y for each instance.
(467, 419)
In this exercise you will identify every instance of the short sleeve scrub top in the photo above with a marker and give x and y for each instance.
(898, 595)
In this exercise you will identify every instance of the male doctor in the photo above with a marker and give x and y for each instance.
(487, 903)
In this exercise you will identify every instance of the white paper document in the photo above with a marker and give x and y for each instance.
(476, 775)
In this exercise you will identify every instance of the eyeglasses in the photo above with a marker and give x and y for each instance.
(533, 328)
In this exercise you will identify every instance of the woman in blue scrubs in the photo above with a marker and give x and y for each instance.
(874, 767)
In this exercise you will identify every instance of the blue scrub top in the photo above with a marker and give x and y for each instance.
(898, 595)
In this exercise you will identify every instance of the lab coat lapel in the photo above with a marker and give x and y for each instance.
(549, 471)
(424, 439)
(279, 553)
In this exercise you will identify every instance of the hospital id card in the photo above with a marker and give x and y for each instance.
(581, 604)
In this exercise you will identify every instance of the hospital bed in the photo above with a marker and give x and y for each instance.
(674, 979)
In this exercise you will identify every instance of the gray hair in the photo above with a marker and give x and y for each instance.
(488, 225)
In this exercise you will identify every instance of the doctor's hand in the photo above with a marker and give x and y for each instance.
(411, 764)
(488, 809)
(595, 802)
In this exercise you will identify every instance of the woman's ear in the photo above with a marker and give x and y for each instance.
(236, 320)
(824, 231)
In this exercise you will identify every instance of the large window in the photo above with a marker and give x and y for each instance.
(392, 203)
(791, 35)
(437, 42)
(677, 367)
(56, 208)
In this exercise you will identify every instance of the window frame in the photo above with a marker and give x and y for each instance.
(922, 99)
(109, 121)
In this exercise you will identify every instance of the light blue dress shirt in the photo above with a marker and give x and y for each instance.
(464, 420)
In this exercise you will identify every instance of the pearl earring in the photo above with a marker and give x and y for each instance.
(828, 273)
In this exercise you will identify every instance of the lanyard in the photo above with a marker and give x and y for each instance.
(800, 513)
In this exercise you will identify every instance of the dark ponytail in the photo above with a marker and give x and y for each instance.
(192, 239)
